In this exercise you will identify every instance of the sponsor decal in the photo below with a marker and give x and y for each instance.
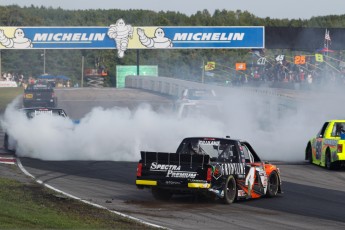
(122, 36)
(217, 171)
(169, 182)
(163, 167)
(241, 193)
(209, 143)
(8, 84)
(228, 169)
(208, 36)
(173, 171)
(181, 174)
(40, 112)
(233, 168)
(68, 37)
(330, 142)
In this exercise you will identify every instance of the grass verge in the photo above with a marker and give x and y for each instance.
(32, 206)
(7, 95)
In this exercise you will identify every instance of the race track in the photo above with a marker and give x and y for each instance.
(313, 197)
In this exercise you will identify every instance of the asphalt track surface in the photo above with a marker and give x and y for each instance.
(313, 197)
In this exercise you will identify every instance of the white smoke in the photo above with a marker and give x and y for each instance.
(102, 134)
(279, 127)
(276, 131)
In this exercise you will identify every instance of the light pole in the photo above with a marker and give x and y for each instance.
(44, 61)
(0, 64)
(203, 71)
(82, 71)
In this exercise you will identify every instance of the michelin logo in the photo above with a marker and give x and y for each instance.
(209, 36)
(68, 37)
(18, 40)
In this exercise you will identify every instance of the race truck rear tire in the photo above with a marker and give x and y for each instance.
(161, 194)
(272, 185)
(328, 164)
(230, 190)
(309, 155)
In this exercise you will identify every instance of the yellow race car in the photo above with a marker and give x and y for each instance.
(327, 148)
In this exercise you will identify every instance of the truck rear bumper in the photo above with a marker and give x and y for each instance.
(191, 185)
(146, 182)
(341, 156)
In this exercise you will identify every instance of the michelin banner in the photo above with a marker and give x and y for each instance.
(122, 36)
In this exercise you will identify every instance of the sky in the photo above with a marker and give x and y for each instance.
(292, 9)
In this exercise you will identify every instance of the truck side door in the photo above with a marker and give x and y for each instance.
(319, 139)
(256, 177)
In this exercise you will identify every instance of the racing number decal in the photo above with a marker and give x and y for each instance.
(250, 180)
(259, 173)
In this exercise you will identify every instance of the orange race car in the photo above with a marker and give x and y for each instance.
(227, 168)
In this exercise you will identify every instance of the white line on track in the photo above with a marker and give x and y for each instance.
(85, 201)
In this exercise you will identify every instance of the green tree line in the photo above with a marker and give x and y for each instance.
(185, 64)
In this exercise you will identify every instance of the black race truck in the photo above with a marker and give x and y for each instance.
(38, 95)
(228, 169)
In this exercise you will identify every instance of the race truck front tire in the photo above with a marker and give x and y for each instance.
(230, 190)
(161, 194)
(272, 185)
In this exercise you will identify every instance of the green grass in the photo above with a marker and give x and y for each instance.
(7, 95)
(32, 206)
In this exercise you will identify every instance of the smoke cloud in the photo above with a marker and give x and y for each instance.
(277, 127)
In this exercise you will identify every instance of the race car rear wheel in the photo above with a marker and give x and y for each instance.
(309, 154)
(328, 164)
(272, 185)
(230, 190)
(161, 194)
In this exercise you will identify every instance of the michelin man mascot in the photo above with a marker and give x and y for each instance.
(19, 40)
(121, 33)
(158, 41)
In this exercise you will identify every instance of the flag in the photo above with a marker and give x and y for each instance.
(240, 66)
(327, 37)
(319, 57)
(210, 66)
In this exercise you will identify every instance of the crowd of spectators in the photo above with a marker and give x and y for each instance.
(14, 77)
(289, 73)
(22, 81)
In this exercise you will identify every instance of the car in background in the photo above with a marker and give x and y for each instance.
(39, 94)
(193, 102)
(10, 143)
(327, 148)
(198, 94)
